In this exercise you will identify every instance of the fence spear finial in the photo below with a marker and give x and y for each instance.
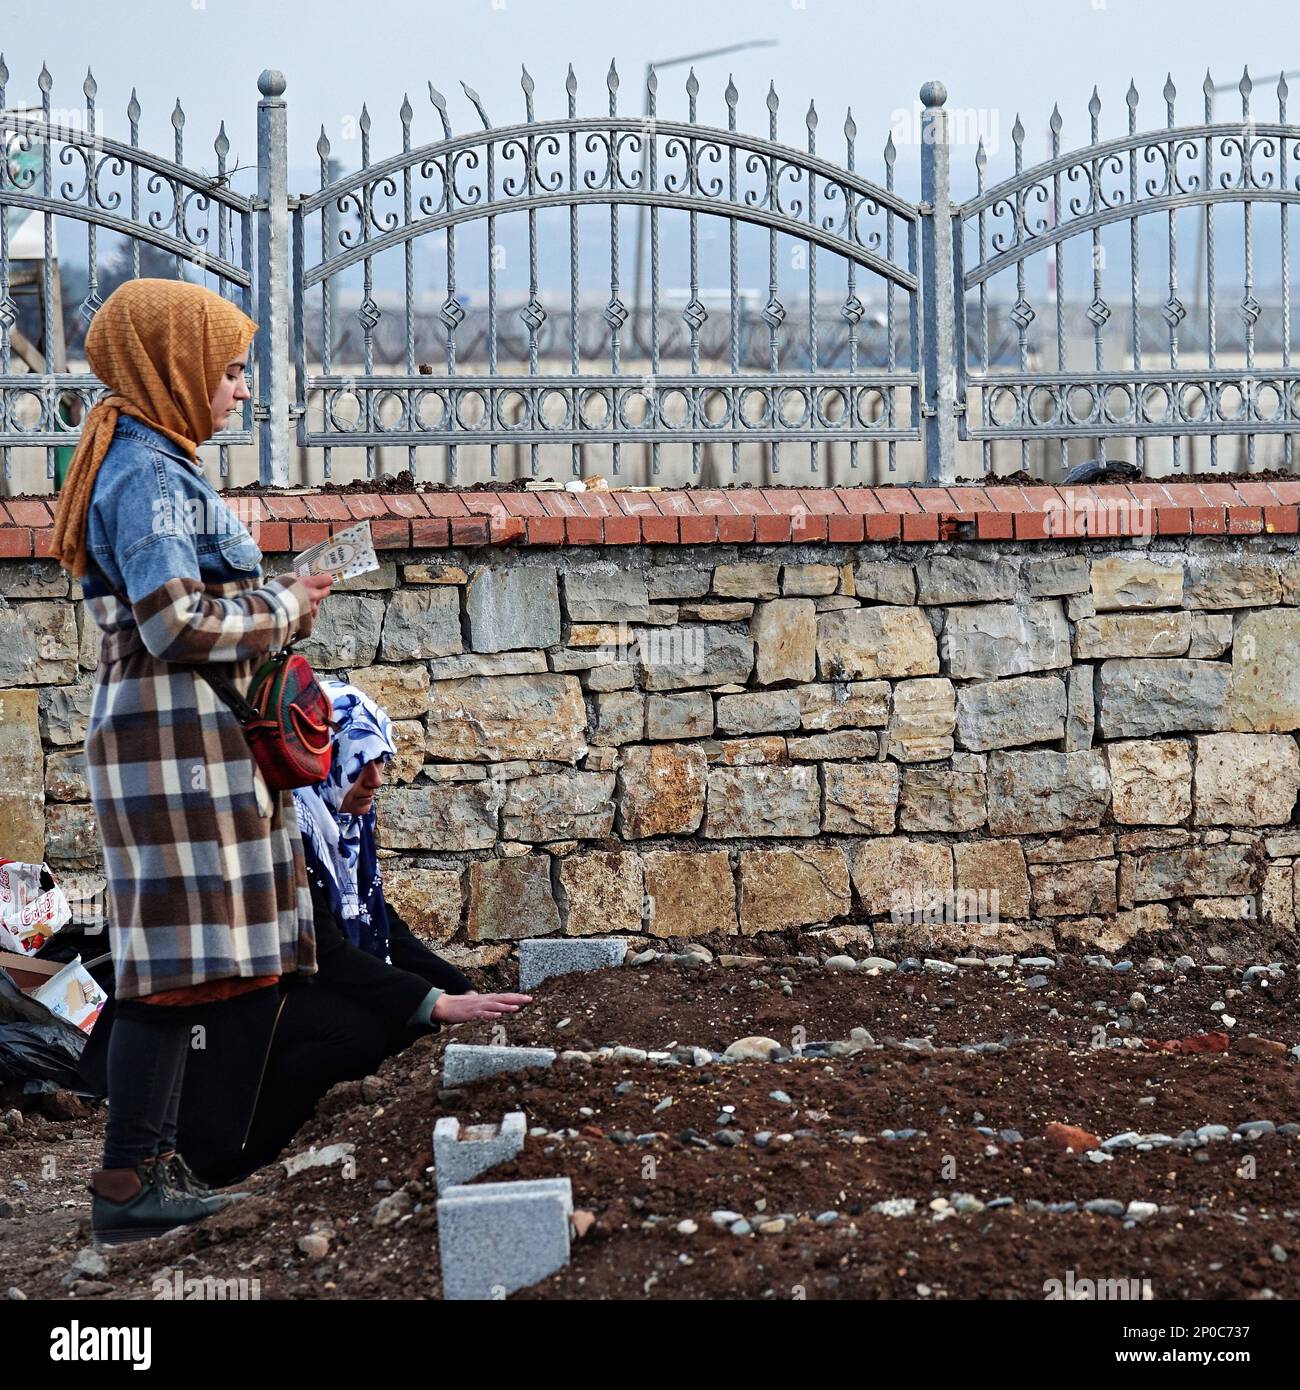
(440, 106)
(477, 103)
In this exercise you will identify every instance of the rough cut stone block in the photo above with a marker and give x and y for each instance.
(746, 752)
(679, 581)
(1011, 713)
(421, 623)
(455, 668)
(792, 887)
(495, 718)
(688, 714)
(1234, 581)
(747, 580)
(810, 580)
(753, 801)
(465, 1063)
(676, 658)
(924, 716)
(1196, 871)
(459, 1155)
(861, 798)
(844, 704)
(544, 960)
(494, 1238)
(1151, 781)
(735, 611)
(957, 579)
(64, 710)
(661, 790)
(1082, 889)
(458, 816)
(758, 711)
(620, 718)
(429, 901)
(1133, 634)
(893, 874)
(567, 805)
(38, 643)
(1140, 698)
(89, 637)
(785, 639)
(22, 785)
(599, 892)
(868, 643)
(65, 773)
(612, 675)
(1266, 673)
(1034, 792)
(689, 892)
(433, 574)
(512, 607)
(35, 579)
(1069, 848)
(510, 899)
(880, 581)
(1137, 581)
(610, 594)
(1056, 576)
(993, 873)
(988, 640)
(1080, 710)
(1113, 934)
(1211, 634)
(1246, 779)
(401, 691)
(954, 800)
(842, 744)
(346, 633)
(71, 834)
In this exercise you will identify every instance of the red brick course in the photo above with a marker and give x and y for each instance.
(742, 516)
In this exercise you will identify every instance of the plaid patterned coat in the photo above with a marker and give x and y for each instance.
(205, 870)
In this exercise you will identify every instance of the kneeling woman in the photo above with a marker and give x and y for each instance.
(259, 1066)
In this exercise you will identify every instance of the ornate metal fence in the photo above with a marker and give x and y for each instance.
(1153, 173)
(788, 302)
(465, 186)
(102, 190)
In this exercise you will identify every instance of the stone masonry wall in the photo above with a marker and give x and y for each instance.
(939, 746)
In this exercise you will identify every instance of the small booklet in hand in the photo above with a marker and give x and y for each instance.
(345, 554)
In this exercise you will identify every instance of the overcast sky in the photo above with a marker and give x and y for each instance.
(995, 57)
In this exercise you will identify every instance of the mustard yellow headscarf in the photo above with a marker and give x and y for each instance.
(160, 346)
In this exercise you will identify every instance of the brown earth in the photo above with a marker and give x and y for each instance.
(640, 1170)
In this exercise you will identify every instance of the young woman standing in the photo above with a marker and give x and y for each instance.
(207, 891)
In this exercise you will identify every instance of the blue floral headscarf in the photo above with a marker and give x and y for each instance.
(340, 848)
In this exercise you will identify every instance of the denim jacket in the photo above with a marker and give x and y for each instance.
(154, 516)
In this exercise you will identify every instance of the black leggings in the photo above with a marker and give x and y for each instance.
(147, 1051)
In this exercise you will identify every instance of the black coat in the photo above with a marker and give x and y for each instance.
(259, 1062)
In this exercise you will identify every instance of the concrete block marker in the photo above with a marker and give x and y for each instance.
(542, 959)
(497, 1237)
(459, 1155)
(463, 1063)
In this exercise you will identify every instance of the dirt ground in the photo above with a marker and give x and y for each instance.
(916, 1115)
